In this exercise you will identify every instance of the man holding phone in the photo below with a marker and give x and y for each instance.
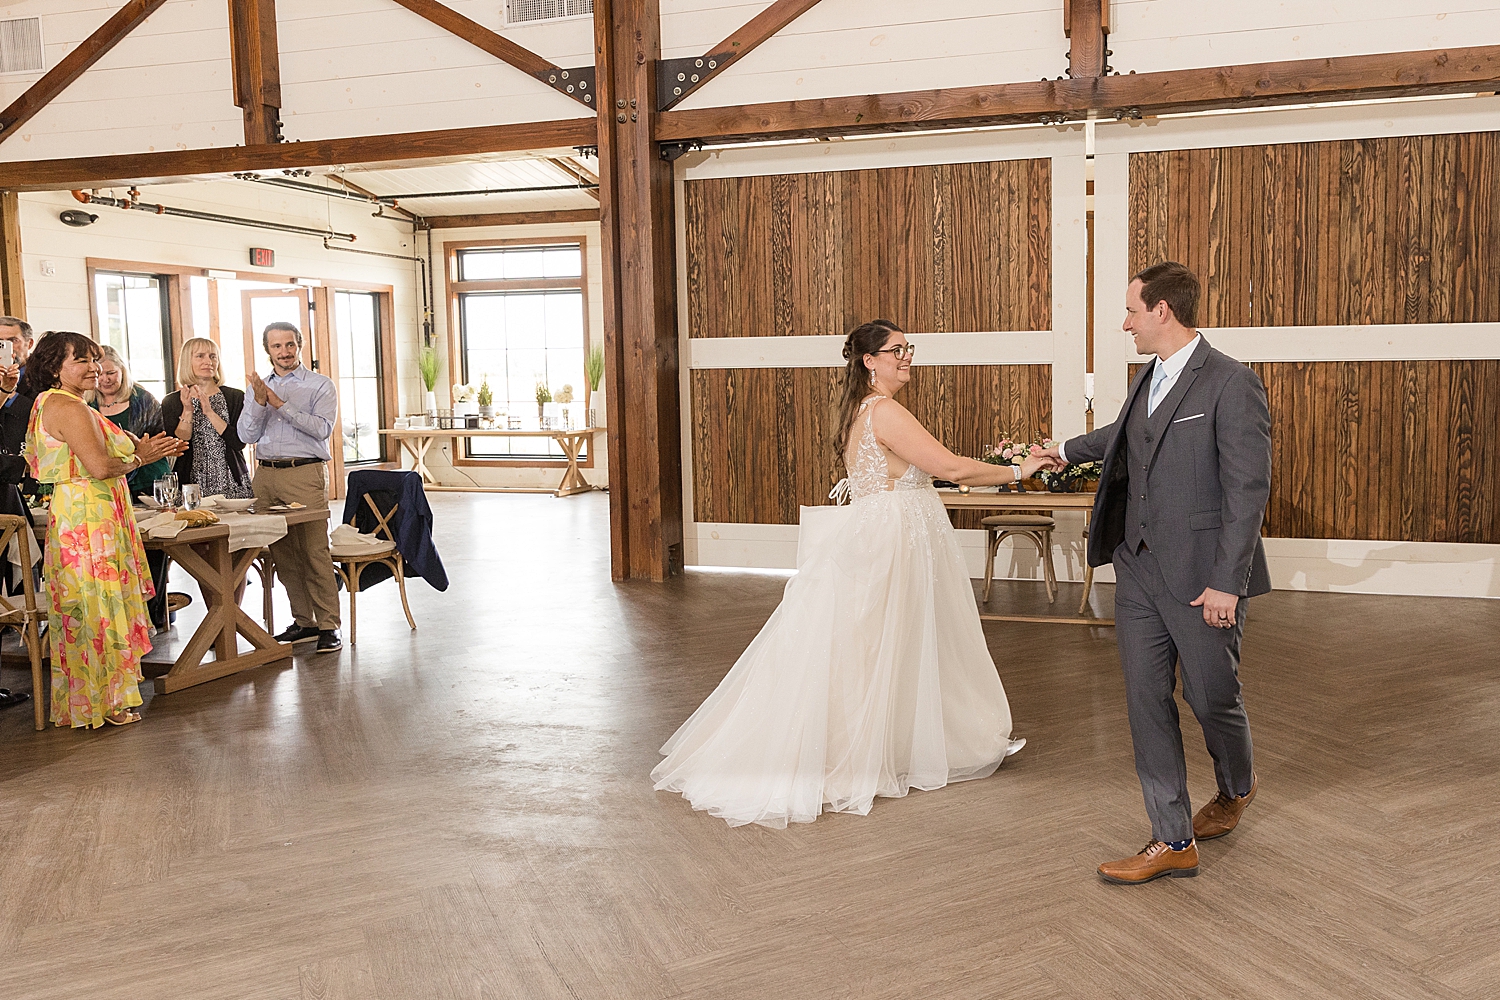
(15, 414)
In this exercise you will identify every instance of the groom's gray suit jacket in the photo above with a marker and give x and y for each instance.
(1202, 462)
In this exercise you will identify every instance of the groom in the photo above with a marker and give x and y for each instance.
(1187, 473)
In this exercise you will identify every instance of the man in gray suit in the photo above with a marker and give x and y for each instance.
(1187, 473)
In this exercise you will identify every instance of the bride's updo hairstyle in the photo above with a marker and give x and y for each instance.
(865, 339)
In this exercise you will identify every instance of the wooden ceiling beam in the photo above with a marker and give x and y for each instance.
(697, 72)
(564, 81)
(576, 172)
(1086, 26)
(402, 149)
(1303, 81)
(552, 218)
(256, 60)
(74, 64)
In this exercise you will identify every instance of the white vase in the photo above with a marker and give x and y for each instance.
(431, 403)
(598, 416)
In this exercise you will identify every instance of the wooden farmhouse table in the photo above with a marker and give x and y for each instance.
(418, 441)
(204, 553)
(1029, 502)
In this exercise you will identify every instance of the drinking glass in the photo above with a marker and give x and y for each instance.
(192, 495)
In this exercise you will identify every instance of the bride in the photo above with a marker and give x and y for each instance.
(873, 676)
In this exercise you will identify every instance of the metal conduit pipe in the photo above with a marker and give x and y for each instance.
(330, 192)
(519, 190)
(187, 213)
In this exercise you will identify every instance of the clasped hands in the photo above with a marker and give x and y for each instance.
(263, 393)
(1218, 607)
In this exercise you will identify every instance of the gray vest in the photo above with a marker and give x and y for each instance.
(1141, 439)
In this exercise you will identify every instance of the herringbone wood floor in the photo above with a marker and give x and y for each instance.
(464, 811)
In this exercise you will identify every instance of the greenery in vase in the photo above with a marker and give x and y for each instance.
(1062, 481)
(486, 397)
(427, 364)
(593, 367)
(543, 394)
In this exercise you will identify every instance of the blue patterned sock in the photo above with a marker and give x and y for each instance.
(1180, 845)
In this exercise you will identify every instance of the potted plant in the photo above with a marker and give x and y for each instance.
(463, 400)
(486, 398)
(543, 397)
(593, 370)
(427, 365)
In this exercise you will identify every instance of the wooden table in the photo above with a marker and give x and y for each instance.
(1028, 501)
(204, 553)
(418, 440)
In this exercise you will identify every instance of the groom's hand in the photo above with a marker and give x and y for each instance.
(1218, 607)
(1054, 453)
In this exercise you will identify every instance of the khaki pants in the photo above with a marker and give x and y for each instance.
(302, 558)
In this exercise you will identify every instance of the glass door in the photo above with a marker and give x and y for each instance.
(261, 308)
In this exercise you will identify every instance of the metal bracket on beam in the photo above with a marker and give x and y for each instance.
(671, 151)
(577, 83)
(677, 78)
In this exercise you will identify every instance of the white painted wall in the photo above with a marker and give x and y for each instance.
(874, 46)
(60, 301)
(1153, 35)
(358, 67)
(439, 461)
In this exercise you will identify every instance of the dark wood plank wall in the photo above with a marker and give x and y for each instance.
(960, 247)
(763, 437)
(1394, 230)
(1398, 230)
(942, 248)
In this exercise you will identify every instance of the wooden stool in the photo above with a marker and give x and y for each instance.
(1088, 574)
(1037, 527)
(21, 613)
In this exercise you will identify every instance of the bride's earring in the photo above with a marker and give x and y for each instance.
(872, 378)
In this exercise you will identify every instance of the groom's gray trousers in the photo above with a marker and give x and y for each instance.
(1155, 632)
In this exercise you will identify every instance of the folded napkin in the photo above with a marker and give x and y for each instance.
(348, 536)
(163, 525)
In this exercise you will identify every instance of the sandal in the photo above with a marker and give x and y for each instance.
(128, 717)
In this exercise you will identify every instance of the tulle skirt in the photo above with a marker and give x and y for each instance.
(871, 678)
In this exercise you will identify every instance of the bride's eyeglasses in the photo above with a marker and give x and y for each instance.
(901, 351)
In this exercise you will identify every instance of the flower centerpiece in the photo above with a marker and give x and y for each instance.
(1080, 477)
(464, 399)
(543, 397)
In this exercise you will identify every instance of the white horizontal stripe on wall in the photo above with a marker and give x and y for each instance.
(1381, 342)
(1030, 347)
(1326, 124)
(1430, 569)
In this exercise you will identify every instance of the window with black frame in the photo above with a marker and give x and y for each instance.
(361, 402)
(133, 318)
(521, 322)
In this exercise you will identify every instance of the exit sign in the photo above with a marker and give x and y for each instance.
(261, 257)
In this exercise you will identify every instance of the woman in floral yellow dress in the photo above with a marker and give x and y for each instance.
(95, 568)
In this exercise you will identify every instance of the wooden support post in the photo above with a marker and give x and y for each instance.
(257, 68)
(636, 215)
(12, 285)
(1086, 25)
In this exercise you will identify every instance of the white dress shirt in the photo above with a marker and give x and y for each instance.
(1164, 375)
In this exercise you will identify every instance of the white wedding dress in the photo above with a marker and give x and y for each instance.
(871, 678)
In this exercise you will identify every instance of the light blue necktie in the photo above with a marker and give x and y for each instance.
(1158, 380)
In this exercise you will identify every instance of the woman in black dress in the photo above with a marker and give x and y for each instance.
(204, 413)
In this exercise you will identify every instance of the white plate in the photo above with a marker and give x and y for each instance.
(234, 504)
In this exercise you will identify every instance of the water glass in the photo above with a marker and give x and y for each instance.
(192, 495)
(166, 490)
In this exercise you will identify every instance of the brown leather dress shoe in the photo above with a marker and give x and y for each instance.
(1155, 860)
(1223, 813)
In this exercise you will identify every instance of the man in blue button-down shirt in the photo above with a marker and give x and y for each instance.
(289, 417)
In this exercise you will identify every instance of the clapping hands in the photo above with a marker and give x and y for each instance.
(154, 446)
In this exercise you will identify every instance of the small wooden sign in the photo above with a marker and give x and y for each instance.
(261, 257)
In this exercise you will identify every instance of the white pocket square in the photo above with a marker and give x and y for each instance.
(1183, 420)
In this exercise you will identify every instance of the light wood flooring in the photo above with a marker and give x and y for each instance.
(465, 812)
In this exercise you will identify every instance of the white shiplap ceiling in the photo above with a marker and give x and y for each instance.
(479, 175)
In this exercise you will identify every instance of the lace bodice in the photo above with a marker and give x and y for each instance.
(869, 473)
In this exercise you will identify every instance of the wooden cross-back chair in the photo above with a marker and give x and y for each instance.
(20, 612)
(352, 561)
